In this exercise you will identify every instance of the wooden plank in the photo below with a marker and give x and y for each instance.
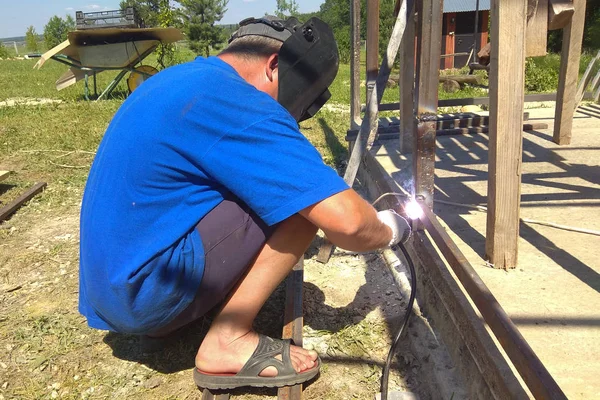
(569, 75)
(560, 13)
(476, 101)
(429, 47)
(214, 395)
(537, 29)
(7, 210)
(355, 64)
(389, 134)
(4, 175)
(407, 83)
(507, 93)
(293, 322)
(585, 79)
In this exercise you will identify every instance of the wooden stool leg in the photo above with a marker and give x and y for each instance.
(292, 328)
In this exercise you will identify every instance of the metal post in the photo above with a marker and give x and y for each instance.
(372, 43)
(429, 47)
(355, 64)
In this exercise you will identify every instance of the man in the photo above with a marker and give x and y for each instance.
(204, 193)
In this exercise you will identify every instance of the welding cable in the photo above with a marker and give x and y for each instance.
(413, 291)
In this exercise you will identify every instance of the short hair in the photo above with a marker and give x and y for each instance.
(253, 46)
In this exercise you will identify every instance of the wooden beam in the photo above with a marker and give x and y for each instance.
(560, 13)
(507, 95)
(293, 321)
(355, 64)
(4, 175)
(429, 46)
(7, 210)
(537, 29)
(569, 75)
(406, 82)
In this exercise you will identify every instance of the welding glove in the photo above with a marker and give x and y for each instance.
(399, 226)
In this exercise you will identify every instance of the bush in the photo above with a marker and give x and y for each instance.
(539, 77)
(3, 51)
(342, 37)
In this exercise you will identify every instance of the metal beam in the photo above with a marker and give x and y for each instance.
(429, 47)
(534, 373)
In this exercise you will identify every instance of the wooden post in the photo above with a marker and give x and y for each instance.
(537, 29)
(429, 47)
(372, 43)
(293, 321)
(355, 64)
(407, 82)
(569, 75)
(451, 28)
(485, 19)
(507, 95)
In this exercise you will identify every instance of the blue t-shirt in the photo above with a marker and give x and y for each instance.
(178, 145)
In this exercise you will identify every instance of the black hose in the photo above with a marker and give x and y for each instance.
(413, 291)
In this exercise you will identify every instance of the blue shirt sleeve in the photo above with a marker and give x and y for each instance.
(273, 168)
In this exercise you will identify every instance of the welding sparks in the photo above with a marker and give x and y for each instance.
(413, 209)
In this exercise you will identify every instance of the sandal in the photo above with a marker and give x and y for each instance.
(263, 357)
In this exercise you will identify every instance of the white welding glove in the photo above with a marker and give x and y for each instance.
(399, 226)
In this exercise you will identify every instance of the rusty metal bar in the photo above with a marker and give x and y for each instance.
(208, 395)
(355, 64)
(7, 210)
(293, 322)
(372, 43)
(429, 48)
(534, 373)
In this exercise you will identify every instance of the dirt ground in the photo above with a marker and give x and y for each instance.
(48, 351)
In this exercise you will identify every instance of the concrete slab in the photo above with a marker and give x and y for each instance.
(554, 295)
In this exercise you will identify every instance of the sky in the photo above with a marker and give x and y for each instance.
(17, 15)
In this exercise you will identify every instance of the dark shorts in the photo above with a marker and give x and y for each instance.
(232, 236)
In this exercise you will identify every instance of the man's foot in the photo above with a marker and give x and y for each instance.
(219, 354)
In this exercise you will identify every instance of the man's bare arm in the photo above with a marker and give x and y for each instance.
(349, 222)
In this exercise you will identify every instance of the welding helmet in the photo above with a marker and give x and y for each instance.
(308, 60)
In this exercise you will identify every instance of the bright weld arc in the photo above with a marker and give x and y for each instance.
(412, 209)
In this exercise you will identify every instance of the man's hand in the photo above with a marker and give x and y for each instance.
(399, 226)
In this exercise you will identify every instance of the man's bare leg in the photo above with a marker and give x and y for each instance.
(230, 340)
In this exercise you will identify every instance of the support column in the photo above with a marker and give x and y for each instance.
(569, 75)
(355, 64)
(507, 95)
(372, 43)
(407, 82)
(450, 35)
(429, 47)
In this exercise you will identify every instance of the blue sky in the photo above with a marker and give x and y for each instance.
(17, 15)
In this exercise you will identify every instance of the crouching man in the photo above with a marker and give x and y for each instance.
(204, 194)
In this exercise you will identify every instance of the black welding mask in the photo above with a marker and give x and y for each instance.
(308, 60)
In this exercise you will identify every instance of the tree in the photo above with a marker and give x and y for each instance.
(56, 30)
(286, 9)
(199, 17)
(146, 11)
(166, 51)
(31, 39)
